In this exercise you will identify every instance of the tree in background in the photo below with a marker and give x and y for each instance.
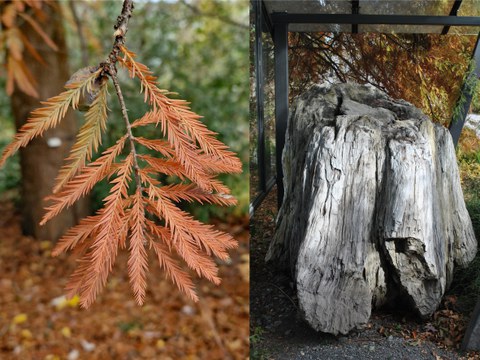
(36, 58)
(198, 49)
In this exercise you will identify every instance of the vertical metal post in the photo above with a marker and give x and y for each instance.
(355, 11)
(471, 341)
(280, 41)
(260, 78)
(456, 125)
(453, 12)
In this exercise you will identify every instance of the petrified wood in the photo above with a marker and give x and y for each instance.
(373, 209)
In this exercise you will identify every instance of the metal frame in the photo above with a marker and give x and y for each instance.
(470, 340)
(280, 22)
(261, 196)
(260, 95)
(420, 20)
(458, 120)
(355, 11)
(280, 41)
(277, 24)
(265, 185)
(453, 12)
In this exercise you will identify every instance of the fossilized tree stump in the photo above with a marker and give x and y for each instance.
(373, 209)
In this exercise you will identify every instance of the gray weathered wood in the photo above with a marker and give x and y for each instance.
(373, 208)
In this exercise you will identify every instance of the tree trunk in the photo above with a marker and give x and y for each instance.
(43, 157)
(373, 210)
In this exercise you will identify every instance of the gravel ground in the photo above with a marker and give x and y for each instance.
(359, 346)
(392, 348)
(278, 332)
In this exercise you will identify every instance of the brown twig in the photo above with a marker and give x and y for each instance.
(286, 295)
(131, 138)
(121, 28)
(110, 69)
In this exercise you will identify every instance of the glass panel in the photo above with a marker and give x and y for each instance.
(378, 7)
(469, 8)
(332, 28)
(464, 30)
(401, 29)
(406, 7)
(254, 181)
(309, 6)
(269, 105)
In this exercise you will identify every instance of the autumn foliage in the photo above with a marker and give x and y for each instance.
(424, 69)
(140, 214)
(12, 13)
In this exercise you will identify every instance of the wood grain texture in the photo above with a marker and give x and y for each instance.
(373, 209)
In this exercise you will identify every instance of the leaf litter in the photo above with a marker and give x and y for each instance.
(38, 322)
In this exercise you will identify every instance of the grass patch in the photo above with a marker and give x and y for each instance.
(256, 351)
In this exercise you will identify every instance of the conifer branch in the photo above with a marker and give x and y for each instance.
(131, 138)
(121, 28)
(84, 182)
(149, 217)
(89, 138)
(48, 116)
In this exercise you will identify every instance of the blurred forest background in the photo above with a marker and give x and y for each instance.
(198, 49)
